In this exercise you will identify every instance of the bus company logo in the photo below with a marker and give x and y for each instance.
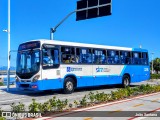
(70, 69)
(102, 69)
(146, 69)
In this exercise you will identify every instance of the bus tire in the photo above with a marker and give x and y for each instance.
(125, 81)
(68, 85)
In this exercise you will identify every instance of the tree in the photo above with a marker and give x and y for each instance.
(156, 64)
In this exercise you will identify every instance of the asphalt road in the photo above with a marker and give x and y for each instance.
(7, 98)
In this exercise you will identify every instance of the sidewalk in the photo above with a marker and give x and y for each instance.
(157, 81)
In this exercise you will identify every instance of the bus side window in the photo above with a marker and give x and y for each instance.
(83, 55)
(78, 59)
(125, 57)
(99, 56)
(136, 58)
(89, 56)
(113, 57)
(103, 57)
(116, 58)
(50, 58)
(144, 59)
(68, 54)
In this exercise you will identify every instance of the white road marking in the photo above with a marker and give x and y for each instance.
(43, 118)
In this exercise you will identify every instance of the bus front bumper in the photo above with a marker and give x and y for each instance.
(28, 86)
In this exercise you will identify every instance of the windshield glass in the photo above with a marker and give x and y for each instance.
(28, 61)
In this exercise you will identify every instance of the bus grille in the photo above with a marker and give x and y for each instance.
(24, 85)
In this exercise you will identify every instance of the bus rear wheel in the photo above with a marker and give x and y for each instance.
(68, 85)
(125, 81)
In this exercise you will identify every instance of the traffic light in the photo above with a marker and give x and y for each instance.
(92, 13)
(87, 9)
(106, 10)
(81, 15)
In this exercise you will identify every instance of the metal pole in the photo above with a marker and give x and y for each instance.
(152, 62)
(51, 34)
(52, 30)
(8, 70)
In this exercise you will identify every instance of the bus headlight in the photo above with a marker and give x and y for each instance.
(16, 78)
(36, 78)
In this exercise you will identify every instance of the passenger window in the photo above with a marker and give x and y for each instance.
(113, 57)
(136, 58)
(125, 57)
(68, 55)
(99, 56)
(144, 59)
(83, 55)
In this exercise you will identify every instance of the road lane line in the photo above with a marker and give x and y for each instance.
(137, 105)
(43, 118)
(115, 111)
(87, 118)
(156, 100)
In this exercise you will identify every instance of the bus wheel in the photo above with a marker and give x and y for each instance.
(68, 85)
(125, 81)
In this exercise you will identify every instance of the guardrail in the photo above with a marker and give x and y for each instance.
(12, 72)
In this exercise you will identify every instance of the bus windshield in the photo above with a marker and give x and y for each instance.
(28, 62)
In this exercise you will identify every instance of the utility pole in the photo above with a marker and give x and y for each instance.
(8, 31)
(152, 61)
(8, 70)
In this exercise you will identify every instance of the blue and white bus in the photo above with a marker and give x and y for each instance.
(52, 64)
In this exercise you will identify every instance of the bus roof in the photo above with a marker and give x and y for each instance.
(58, 42)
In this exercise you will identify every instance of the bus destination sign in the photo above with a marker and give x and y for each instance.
(29, 45)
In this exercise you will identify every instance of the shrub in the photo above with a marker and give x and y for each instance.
(91, 97)
(2, 118)
(101, 97)
(83, 102)
(155, 76)
(34, 106)
(46, 107)
(1, 84)
(17, 108)
(53, 103)
(76, 103)
(61, 104)
(1, 112)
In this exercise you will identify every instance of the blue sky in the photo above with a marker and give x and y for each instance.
(132, 23)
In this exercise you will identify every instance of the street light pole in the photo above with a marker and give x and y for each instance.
(8, 70)
(152, 62)
(53, 30)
